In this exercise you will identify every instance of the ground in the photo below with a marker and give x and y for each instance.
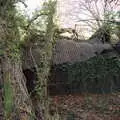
(88, 106)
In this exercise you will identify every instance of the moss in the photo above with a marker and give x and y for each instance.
(8, 97)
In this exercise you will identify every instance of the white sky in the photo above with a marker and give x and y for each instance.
(68, 11)
(32, 5)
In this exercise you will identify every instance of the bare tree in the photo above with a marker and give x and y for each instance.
(97, 12)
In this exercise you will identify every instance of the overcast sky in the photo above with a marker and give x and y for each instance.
(68, 12)
(32, 5)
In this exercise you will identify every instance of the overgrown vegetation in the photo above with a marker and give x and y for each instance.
(45, 40)
(17, 33)
(10, 53)
(14, 84)
(97, 75)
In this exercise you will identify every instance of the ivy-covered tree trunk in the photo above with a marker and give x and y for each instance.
(45, 63)
(17, 103)
(1, 94)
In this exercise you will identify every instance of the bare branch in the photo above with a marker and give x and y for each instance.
(97, 15)
(21, 1)
(35, 18)
(110, 21)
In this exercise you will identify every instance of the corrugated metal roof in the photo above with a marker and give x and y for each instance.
(71, 51)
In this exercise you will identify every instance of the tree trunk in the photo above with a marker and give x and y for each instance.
(1, 95)
(21, 107)
(17, 104)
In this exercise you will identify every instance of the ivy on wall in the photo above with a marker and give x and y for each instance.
(98, 74)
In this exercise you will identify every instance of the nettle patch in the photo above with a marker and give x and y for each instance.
(96, 75)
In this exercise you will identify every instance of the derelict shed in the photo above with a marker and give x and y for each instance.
(89, 66)
(77, 68)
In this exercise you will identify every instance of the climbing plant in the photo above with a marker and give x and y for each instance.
(14, 91)
(44, 40)
(97, 75)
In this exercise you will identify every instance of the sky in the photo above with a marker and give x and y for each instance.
(66, 18)
(68, 12)
(32, 5)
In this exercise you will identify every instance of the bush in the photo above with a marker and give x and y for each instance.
(96, 75)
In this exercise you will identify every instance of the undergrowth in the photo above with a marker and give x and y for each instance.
(97, 75)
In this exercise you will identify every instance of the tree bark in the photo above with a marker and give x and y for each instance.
(22, 106)
(1, 95)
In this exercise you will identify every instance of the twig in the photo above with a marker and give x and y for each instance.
(23, 3)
